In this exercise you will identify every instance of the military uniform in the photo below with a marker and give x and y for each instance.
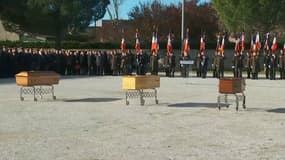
(254, 65)
(272, 66)
(220, 65)
(154, 63)
(281, 64)
(204, 65)
(198, 65)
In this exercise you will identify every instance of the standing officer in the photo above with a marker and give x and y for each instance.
(281, 63)
(266, 53)
(154, 63)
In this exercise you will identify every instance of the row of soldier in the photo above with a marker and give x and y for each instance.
(81, 62)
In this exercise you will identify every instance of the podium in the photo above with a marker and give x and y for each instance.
(185, 67)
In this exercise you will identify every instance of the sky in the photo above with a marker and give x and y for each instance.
(127, 5)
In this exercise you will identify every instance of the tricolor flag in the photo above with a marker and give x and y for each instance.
(154, 42)
(123, 45)
(253, 43)
(257, 42)
(284, 47)
(266, 44)
(123, 42)
(237, 46)
(186, 45)
(274, 44)
(242, 42)
(222, 45)
(202, 44)
(137, 45)
(169, 43)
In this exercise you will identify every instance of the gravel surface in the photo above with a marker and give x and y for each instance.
(90, 121)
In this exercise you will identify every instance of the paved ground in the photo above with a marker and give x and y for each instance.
(90, 121)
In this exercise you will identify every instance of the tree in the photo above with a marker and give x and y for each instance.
(113, 10)
(198, 17)
(51, 17)
(261, 15)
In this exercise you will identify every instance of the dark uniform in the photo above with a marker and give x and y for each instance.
(255, 65)
(198, 65)
(115, 65)
(154, 63)
(238, 65)
(281, 64)
(204, 65)
(272, 66)
(214, 64)
(185, 67)
(141, 63)
(220, 65)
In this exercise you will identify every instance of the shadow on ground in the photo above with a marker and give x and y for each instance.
(194, 105)
(93, 100)
(277, 110)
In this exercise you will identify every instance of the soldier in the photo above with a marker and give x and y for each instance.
(204, 64)
(141, 62)
(220, 64)
(198, 64)
(172, 64)
(254, 65)
(214, 64)
(129, 62)
(185, 67)
(238, 59)
(114, 63)
(154, 62)
(273, 61)
(123, 65)
(281, 63)
(266, 53)
(220, 56)
(248, 64)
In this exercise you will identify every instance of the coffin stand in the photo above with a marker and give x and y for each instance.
(232, 86)
(136, 86)
(37, 83)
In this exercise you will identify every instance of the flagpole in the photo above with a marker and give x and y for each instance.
(182, 24)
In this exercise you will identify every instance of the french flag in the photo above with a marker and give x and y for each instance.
(237, 46)
(202, 44)
(222, 44)
(186, 46)
(242, 42)
(137, 45)
(266, 44)
(154, 42)
(123, 45)
(169, 43)
(257, 42)
(274, 44)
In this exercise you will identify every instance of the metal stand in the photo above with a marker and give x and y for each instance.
(37, 90)
(141, 94)
(238, 97)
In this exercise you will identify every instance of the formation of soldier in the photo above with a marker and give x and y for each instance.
(124, 62)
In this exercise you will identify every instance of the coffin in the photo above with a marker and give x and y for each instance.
(231, 85)
(33, 78)
(141, 82)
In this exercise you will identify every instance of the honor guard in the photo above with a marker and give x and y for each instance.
(273, 58)
(266, 54)
(281, 63)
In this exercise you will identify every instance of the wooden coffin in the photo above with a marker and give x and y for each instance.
(33, 78)
(231, 85)
(141, 82)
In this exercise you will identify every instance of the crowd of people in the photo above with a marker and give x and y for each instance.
(81, 62)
